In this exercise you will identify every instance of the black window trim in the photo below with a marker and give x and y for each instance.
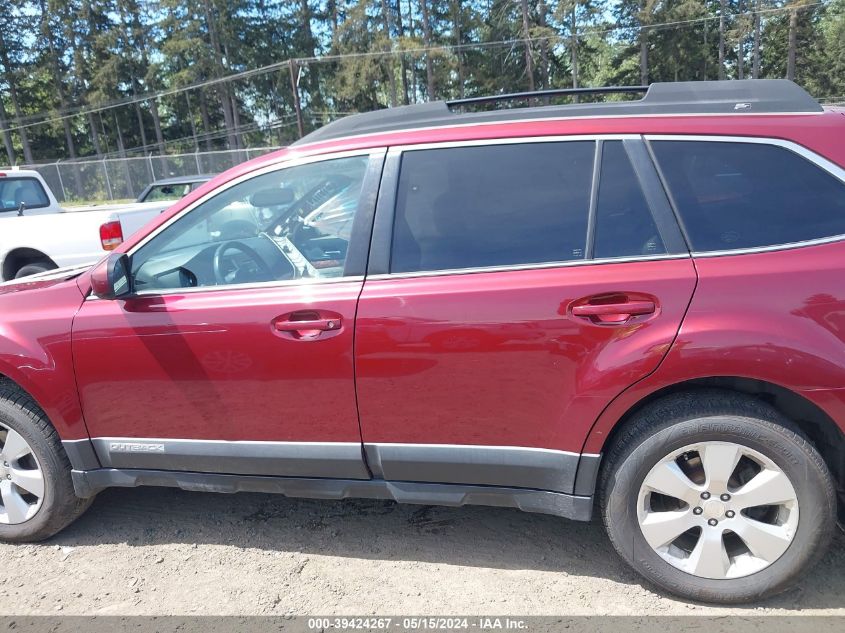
(382, 236)
(592, 213)
(655, 195)
(819, 161)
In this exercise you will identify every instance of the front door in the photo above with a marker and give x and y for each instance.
(521, 298)
(234, 354)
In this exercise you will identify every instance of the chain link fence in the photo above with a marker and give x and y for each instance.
(125, 178)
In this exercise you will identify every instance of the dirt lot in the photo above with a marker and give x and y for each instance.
(159, 551)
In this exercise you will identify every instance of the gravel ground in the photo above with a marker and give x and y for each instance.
(168, 552)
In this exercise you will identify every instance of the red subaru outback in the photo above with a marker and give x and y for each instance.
(631, 308)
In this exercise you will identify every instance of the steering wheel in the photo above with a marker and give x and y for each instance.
(225, 247)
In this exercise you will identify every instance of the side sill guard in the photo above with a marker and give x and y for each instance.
(579, 508)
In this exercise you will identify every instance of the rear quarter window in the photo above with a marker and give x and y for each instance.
(734, 195)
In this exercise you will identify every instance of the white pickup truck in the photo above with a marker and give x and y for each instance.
(37, 234)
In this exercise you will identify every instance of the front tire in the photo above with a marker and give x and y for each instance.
(717, 497)
(41, 266)
(36, 493)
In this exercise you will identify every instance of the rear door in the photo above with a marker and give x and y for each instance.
(512, 293)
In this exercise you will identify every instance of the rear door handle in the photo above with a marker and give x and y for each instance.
(613, 312)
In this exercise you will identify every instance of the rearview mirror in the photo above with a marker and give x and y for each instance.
(272, 197)
(110, 278)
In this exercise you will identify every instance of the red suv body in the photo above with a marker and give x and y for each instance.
(500, 308)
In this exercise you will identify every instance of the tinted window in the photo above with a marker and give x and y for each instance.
(624, 224)
(742, 195)
(294, 223)
(159, 193)
(492, 206)
(17, 191)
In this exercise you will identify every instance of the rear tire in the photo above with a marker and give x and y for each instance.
(37, 499)
(729, 549)
(34, 268)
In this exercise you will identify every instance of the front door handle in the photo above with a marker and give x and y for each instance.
(613, 312)
(306, 326)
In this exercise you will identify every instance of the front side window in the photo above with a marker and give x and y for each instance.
(496, 205)
(15, 192)
(293, 223)
(733, 195)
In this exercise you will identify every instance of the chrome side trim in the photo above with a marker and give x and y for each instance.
(820, 161)
(295, 162)
(579, 508)
(286, 459)
(512, 466)
(517, 267)
(284, 164)
(395, 153)
(253, 286)
(259, 285)
(292, 162)
(768, 249)
(514, 140)
(829, 166)
(470, 464)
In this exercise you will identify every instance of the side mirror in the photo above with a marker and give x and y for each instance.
(110, 278)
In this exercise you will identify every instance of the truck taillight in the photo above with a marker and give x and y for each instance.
(111, 235)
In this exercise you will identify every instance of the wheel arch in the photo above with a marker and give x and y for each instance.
(16, 258)
(12, 377)
(59, 405)
(815, 422)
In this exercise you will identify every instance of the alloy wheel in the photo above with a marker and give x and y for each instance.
(718, 510)
(21, 479)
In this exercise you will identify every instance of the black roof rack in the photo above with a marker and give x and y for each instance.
(542, 94)
(742, 96)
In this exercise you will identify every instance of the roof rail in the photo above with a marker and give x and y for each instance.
(539, 94)
(734, 97)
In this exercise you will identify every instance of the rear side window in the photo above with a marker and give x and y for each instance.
(624, 224)
(745, 195)
(15, 192)
(495, 205)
